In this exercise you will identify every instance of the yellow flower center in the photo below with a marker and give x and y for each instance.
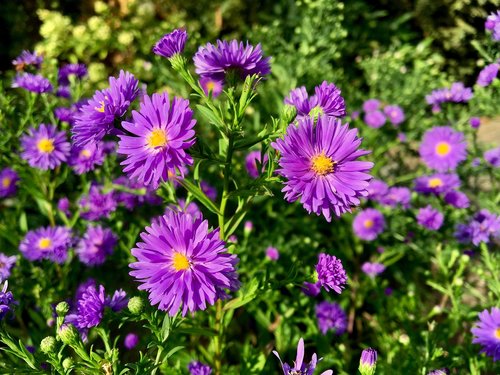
(180, 262)
(44, 243)
(85, 153)
(368, 223)
(443, 148)
(45, 145)
(210, 86)
(101, 108)
(157, 138)
(322, 164)
(435, 182)
(497, 333)
(5, 182)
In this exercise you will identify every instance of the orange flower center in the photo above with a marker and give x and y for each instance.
(497, 333)
(368, 223)
(180, 262)
(443, 148)
(45, 145)
(85, 153)
(101, 108)
(322, 164)
(5, 182)
(211, 86)
(157, 138)
(44, 243)
(435, 182)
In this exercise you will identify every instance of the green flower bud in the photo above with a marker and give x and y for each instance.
(67, 363)
(288, 114)
(68, 334)
(48, 345)
(368, 362)
(136, 305)
(62, 308)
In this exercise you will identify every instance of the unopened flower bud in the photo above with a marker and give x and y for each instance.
(67, 363)
(68, 334)
(368, 362)
(62, 308)
(135, 305)
(48, 345)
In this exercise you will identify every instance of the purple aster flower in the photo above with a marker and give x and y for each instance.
(299, 366)
(89, 308)
(272, 253)
(64, 92)
(209, 190)
(456, 199)
(437, 183)
(430, 218)
(32, 82)
(460, 93)
(496, 32)
(118, 301)
(331, 317)
(45, 147)
(299, 98)
(493, 157)
(95, 118)
(355, 115)
(145, 195)
(368, 361)
(327, 101)
(457, 93)
(8, 182)
(233, 56)
(492, 20)
(86, 158)
(371, 105)
(475, 122)
(487, 75)
(211, 86)
(310, 289)
(63, 205)
(319, 163)
(463, 233)
(27, 58)
(484, 225)
(131, 341)
(6, 300)
(97, 204)
(171, 44)
(331, 273)
(190, 208)
(397, 196)
(441, 371)
(254, 169)
(368, 224)
(377, 189)
(443, 148)
(64, 114)
(395, 114)
(46, 243)
(78, 70)
(402, 137)
(96, 245)
(162, 133)
(198, 368)
(183, 265)
(6, 265)
(374, 119)
(372, 269)
(487, 333)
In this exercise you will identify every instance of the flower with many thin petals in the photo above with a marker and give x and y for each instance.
(443, 148)
(46, 243)
(96, 244)
(430, 218)
(487, 333)
(319, 162)
(488, 74)
(97, 204)
(331, 273)
(86, 158)
(77, 70)
(331, 317)
(161, 131)
(395, 114)
(198, 368)
(171, 44)
(299, 366)
(437, 183)
(368, 224)
(6, 265)
(374, 119)
(211, 86)
(45, 147)
(8, 182)
(32, 82)
(493, 157)
(372, 269)
(27, 58)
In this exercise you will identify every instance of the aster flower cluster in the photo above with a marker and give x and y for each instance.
(376, 116)
(492, 24)
(331, 317)
(488, 74)
(457, 93)
(483, 226)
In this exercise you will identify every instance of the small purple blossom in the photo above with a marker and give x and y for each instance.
(331, 273)
(96, 245)
(27, 58)
(368, 361)
(395, 114)
(45, 147)
(89, 308)
(77, 70)
(368, 224)
(63, 205)
(171, 44)
(6, 300)
(372, 269)
(254, 164)
(211, 86)
(209, 190)
(198, 368)
(397, 196)
(272, 253)
(475, 122)
(86, 158)
(97, 204)
(493, 157)
(6, 265)
(311, 289)
(487, 333)
(46, 243)
(64, 114)
(8, 182)
(131, 341)
(299, 366)
(118, 301)
(371, 105)
(456, 199)
(443, 148)
(437, 183)
(487, 75)
(32, 82)
(374, 119)
(430, 218)
(377, 189)
(331, 317)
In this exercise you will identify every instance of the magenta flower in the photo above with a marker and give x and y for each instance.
(374, 119)
(331, 273)
(211, 86)
(437, 183)
(397, 196)
(198, 368)
(27, 58)
(272, 253)
(162, 131)
(475, 122)
(86, 158)
(254, 169)
(97, 204)
(430, 218)
(319, 162)
(487, 333)
(395, 114)
(299, 366)
(46, 243)
(371, 105)
(96, 244)
(8, 182)
(182, 265)
(326, 101)
(331, 317)
(493, 157)
(45, 147)
(32, 82)
(372, 269)
(377, 189)
(215, 61)
(368, 224)
(443, 148)
(171, 44)
(487, 75)
(131, 341)
(456, 199)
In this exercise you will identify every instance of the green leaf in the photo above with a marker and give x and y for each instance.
(247, 293)
(211, 116)
(246, 143)
(199, 195)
